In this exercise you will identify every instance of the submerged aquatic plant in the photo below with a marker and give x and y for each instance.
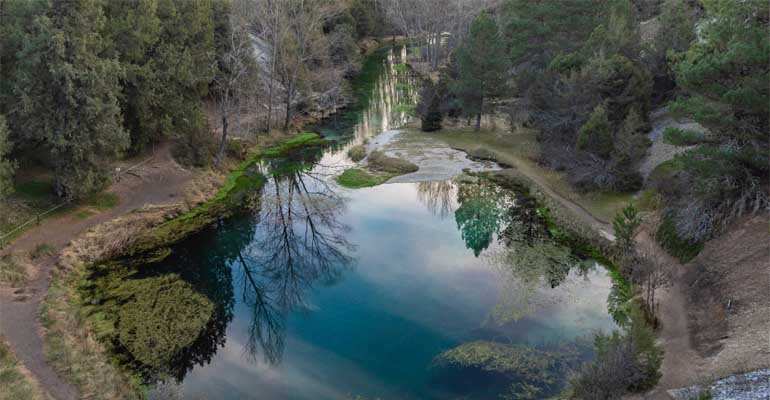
(531, 372)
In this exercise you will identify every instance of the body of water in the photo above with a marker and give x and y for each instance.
(432, 290)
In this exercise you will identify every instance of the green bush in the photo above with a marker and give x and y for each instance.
(357, 152)
(682, 137)
(595, 135)
(625, 224)
(195, 148)
(675, 245)
(627, 361)
(566, 62)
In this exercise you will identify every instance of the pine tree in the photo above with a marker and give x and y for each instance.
(483, 67)
(724, 76)
(68, 95)
(595, 136)
(7, 167)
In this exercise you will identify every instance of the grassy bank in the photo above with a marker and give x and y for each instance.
(520, 150)
(15, 383)
(635, 337)
(75, 331)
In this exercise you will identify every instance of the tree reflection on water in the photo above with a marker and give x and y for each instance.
(299, 242)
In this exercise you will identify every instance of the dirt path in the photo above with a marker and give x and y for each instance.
(158, 181)
(682, 365)
(413, 149)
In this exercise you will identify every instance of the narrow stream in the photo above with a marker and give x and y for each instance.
(449, 289)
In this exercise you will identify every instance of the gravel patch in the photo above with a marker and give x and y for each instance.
(750, 386)
(660, 151)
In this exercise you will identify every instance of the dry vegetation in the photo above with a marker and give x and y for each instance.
(727, 299)
(15, 381)
(72, 348)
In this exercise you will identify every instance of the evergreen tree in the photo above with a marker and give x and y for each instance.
(537, 30)
(483, 67)
(724, 74)
(7, 167)
(16, 18)
(68, 95)
(595, 136)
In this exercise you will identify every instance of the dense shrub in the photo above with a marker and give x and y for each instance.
(625, 362)
(723, 76)
(195, 148)
(682, 137)
(357, 152)
(595, 135)
(680, 248)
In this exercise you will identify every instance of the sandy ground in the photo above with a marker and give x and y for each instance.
(159, 181)
(715, 317)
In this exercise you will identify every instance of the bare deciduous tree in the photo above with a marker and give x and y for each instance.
(236, 70)
(424, 22)
(652, 272)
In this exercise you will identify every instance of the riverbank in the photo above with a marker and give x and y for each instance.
(72, 335)
(719, 338)
(157, 182)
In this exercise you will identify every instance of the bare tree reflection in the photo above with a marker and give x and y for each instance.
(438, 197)
(299, 242)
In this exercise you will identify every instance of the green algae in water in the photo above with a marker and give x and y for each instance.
(325, 293)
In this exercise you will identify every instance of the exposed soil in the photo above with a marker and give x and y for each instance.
(158, 181)
(715, 316)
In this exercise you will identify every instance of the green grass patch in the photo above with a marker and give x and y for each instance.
(682, 137)
(674, 245)
(356, 178)
(243, 179)
(102, 201)
(649, 200)
(37, 192)
(42, 250)
(14, 385)
(303, 140)
(83, 214)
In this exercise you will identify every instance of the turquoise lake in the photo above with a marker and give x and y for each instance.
(324, 293)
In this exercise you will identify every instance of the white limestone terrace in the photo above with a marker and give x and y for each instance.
(436, 160)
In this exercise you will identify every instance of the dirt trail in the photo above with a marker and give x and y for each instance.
(158, 181)
(682, 365)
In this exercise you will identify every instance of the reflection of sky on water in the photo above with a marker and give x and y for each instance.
(414, 291)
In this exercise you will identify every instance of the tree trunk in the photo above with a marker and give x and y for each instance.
(478, 122)
(287, 120)
(269, 104)
(222, 144)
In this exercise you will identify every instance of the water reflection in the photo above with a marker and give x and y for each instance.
(299, 242)
(270, 303)
(388, 105)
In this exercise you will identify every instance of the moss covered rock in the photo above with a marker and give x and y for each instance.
(164, 316)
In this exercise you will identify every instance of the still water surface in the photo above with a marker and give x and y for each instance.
(329, 293)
